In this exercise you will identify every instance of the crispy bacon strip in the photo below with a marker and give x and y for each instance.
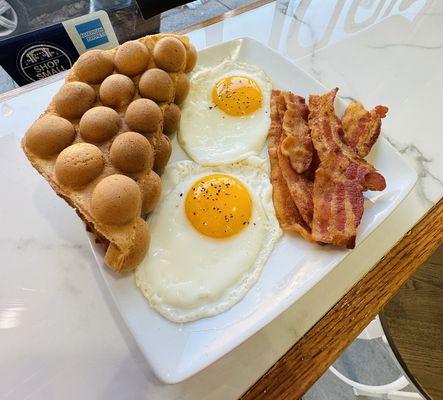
(285, 208)
(338, 200)
(296, 143)
(324, 124)
(300, 188)
(361, 127)
(327, 207)
(326, 134)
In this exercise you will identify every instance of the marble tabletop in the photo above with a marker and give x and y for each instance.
(60, 334)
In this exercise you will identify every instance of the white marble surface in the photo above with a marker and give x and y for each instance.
(60, 336)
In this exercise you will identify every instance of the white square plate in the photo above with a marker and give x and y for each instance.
(177, 351)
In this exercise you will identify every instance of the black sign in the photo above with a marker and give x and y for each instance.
(39, 54)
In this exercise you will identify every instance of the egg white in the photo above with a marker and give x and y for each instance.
(212, 137)
(187, 275)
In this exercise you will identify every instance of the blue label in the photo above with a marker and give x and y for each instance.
(92, 33)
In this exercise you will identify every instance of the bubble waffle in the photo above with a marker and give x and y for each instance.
(102, 141)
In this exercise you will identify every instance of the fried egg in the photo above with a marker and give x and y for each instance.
(211, 236)
(225, 117)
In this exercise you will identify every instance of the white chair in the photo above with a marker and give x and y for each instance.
(391, 391)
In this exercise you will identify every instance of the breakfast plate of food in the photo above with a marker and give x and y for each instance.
(217, 187)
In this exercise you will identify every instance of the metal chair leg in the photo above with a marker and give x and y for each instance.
(389, 391)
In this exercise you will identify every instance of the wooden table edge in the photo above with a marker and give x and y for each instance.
(226, 15)
(298, 369)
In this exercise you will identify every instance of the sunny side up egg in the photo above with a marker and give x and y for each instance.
(226, 116)
(211, 236)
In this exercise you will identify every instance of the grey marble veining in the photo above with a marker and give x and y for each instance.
(429, 186)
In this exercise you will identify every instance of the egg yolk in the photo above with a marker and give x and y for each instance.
(218, 206)
(237, 95)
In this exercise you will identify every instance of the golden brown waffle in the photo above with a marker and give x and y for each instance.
(110, 176)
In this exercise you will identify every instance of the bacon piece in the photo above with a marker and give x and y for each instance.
(329, 209)
(324, 124)
(300, 188)
(285, 208)
(361, 127)
(326, 134)
(296, 142)
(338, 200)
